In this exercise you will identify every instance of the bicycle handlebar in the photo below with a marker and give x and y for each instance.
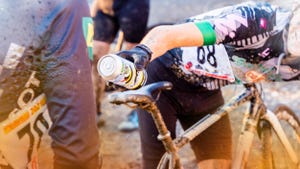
(142, 95)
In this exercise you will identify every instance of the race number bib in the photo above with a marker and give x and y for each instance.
(211, 61)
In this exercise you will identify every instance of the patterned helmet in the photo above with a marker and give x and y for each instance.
(293, 43)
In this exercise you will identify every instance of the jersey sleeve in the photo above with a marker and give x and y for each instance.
(235, 23)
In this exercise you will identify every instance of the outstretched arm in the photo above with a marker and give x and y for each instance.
(163, 38)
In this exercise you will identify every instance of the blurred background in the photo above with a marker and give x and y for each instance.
(172, 11)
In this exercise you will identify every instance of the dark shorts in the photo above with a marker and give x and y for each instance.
(187, 104)
(131, 16)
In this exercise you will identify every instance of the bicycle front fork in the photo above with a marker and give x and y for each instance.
(246, 137)
(244, 144)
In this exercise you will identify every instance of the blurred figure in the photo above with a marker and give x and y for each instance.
(111, 16)
(46, 99)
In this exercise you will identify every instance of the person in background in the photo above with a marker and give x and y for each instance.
(47, 106)
(110, 17)
(246, 42)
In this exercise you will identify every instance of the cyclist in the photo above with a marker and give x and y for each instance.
(110, 16)
(235, 43)
(46, 98)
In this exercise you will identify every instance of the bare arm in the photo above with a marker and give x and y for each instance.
(163, 38)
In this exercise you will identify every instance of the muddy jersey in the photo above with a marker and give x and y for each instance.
(46, 102)
(251, 37)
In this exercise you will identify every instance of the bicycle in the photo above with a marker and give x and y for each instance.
(258, 117)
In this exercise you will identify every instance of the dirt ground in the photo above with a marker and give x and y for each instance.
(122, 150)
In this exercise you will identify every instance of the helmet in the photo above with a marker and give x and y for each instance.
(293, 42)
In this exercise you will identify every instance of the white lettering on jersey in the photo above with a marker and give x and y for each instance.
(21, 133)
(12, 58)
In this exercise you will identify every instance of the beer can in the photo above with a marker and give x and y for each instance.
(120, 71)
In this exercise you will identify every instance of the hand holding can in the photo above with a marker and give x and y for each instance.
(140, 55)
(120, 71)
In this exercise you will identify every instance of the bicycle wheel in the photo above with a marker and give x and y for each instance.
(291, 125)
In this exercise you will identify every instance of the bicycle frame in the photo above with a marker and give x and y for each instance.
(256, 113)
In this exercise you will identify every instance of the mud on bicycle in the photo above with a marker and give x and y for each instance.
(257, 118)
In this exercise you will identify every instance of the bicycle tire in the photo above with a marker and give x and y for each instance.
(290, 121)
(283, 112)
